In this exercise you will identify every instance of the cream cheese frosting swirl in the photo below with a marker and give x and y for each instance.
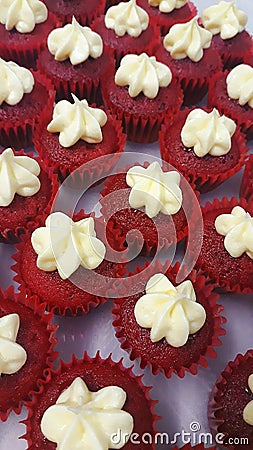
(75, 42)
(12, 355)
(15, 82)
(127, 17)
(64, 245)
(171, 312)
(208, 133)
(225, 18)
(167, 6)
(142, 73)
(18, 175)
(88, 420)
(187, 40)
(240, 84)
(248, 410)
(154, 189)
(22, 14)
(76, 121)
(237, 227)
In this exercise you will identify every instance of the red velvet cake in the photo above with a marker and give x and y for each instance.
(218, 97)
(206, 170)
(230, 399)
(23, 323)
(230, 273)
(246, 189)
(17, 120)
(94, 374)
(167, 19)
(19, 211)
(83, 10)
(159, 355)
(66, 293)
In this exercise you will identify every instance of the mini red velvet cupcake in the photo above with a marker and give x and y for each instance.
(77, 135)
(227, 23)
(23, 32)
(193, 61)
(169, 12)
(126, 28)
(117, 399)
(231, 93)
(227, 254)
(142, 93)
(27, 194)
(26, 349)
(230, 406)
(203, 146)
(76, 62)
(246, 189)
(24, 97)
(150, 202)
(84, 11)
(64, 264)
(156, 325)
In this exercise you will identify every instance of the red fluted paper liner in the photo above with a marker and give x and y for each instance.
(246, 189)
(37, 335)
(200, 171)
(84, 12)
(227, 401)
(86, 168)
(84, 80)
(24, 213)
(218, 98)
(19, 134)
(167, 20)
(25, 48)
(143, 126)
(67, 297)
(230, 50)
(97, 373)
(146, 42)
(160, 356)
(157, 234)
(228, 273)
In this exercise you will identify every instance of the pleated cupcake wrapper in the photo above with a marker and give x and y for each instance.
(82, 19)
(84, 88)
(134, 244)
(218, 321)
(79, 363)
(216, 204)
(20, 135)
(214, 404)
(12, 236)
(246, 188)
(88, 171)
(32, 302)
(194, 90)
(30, 51)
(165, 22)
(141, 129)
(69, 310)
(206, 182)
(245, 123)
(149, 49)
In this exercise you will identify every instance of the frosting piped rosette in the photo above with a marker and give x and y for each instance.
(16, 81)
(225, 19)
(127, 17)
(23, 15)
(167, 6)
(13, 356)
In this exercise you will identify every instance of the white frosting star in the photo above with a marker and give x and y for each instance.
(12, 355)
(171, 312)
